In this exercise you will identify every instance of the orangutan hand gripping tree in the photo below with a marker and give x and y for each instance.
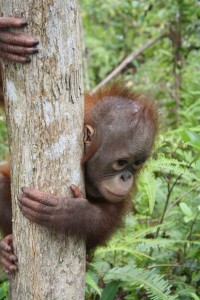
(119, 132)
(15, 46)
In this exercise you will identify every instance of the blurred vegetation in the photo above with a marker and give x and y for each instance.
(3, 137)
(157, 254)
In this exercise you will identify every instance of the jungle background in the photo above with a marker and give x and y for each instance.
(157, 254)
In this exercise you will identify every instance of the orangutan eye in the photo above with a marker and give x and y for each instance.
(138, 163)
(119, 164)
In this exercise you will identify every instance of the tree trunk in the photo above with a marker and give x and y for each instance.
(44, 107)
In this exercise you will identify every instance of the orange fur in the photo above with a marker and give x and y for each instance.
(5, 170)
(5, 199)
(117, 90)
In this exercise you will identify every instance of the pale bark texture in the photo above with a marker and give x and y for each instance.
(44, 107)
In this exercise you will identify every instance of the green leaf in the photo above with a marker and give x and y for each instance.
(110, 291)
(4, 287)
(187, 219)
(194, 144)
(194, 296)
(92, 283)
(148, 180)
(186, 209)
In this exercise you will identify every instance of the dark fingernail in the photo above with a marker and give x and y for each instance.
(24, 22)
(35, 51)
(35, 43)
(28, 60)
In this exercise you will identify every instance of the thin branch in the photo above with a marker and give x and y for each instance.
(162, 265)
(189, 235)
(169, 192)
(181, 197)
(127, 60)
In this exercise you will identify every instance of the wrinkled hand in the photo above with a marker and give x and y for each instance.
(15, 46)
(45, 209)
(7, 257)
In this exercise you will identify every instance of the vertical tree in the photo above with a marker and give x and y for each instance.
(44, 107)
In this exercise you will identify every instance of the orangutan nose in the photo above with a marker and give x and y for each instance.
(126, 175)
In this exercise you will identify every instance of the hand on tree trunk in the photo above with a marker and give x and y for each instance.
(15, 46)
(7, 257)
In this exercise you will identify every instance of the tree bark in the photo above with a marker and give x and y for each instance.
(44, 107)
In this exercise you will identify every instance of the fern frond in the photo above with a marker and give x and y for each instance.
(112, 248)
(90, 282)
(143, 231)
(149, 185)
(156, 287)
(138, 247)
(171, 165)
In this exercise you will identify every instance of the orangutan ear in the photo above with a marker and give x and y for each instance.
(88, 134)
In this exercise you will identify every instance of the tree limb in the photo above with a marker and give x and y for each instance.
(127, 60)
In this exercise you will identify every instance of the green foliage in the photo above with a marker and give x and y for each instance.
(110, 291)
(159, 249)
(3, 139)
(4, 286)
(156, 287)
(91, 283)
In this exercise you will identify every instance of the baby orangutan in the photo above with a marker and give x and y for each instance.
(119, 131)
